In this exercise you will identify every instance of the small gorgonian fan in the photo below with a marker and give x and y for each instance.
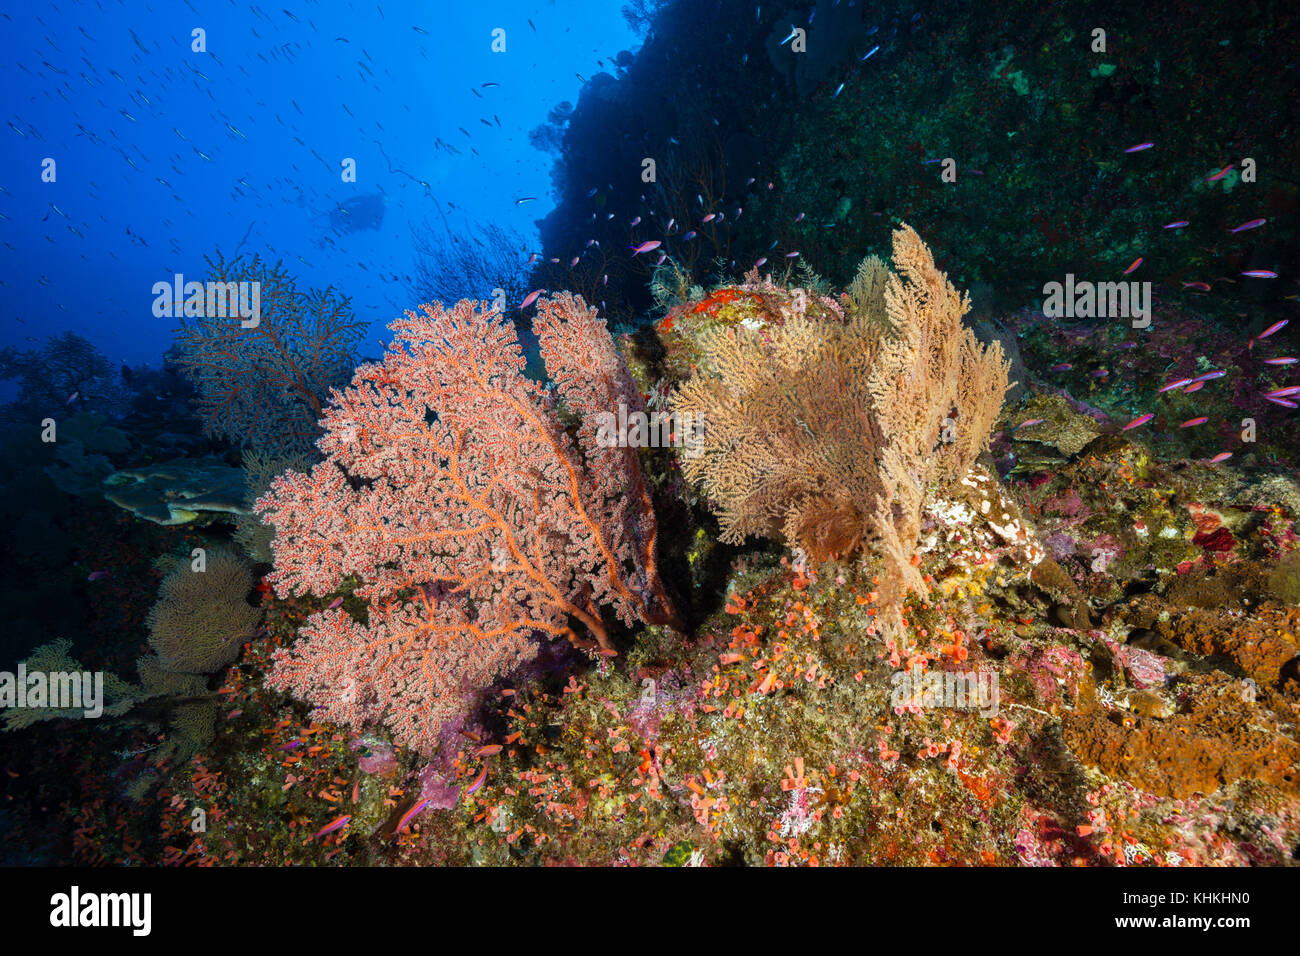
(265, 386)
(473, 520)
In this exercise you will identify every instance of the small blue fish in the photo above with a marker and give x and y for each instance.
(1254, 223)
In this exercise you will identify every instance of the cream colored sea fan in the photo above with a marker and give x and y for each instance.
(202, 618)
(830, 432)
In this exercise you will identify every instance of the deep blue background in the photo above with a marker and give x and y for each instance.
(293, 86)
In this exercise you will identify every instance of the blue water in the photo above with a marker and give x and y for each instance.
(163, 155)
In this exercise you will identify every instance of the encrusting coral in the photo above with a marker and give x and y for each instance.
(831, 430)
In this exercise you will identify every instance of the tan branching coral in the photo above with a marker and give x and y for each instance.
(867, 291)
(832, 433)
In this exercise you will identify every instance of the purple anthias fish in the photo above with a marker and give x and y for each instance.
(409, 814)
(333, 825)
(650, 245)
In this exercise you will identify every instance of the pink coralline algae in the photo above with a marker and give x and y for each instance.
(472, 520)
(373, 755)
(1143, 667)
(1060, 545)
(1054, 671)
(437, 786)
